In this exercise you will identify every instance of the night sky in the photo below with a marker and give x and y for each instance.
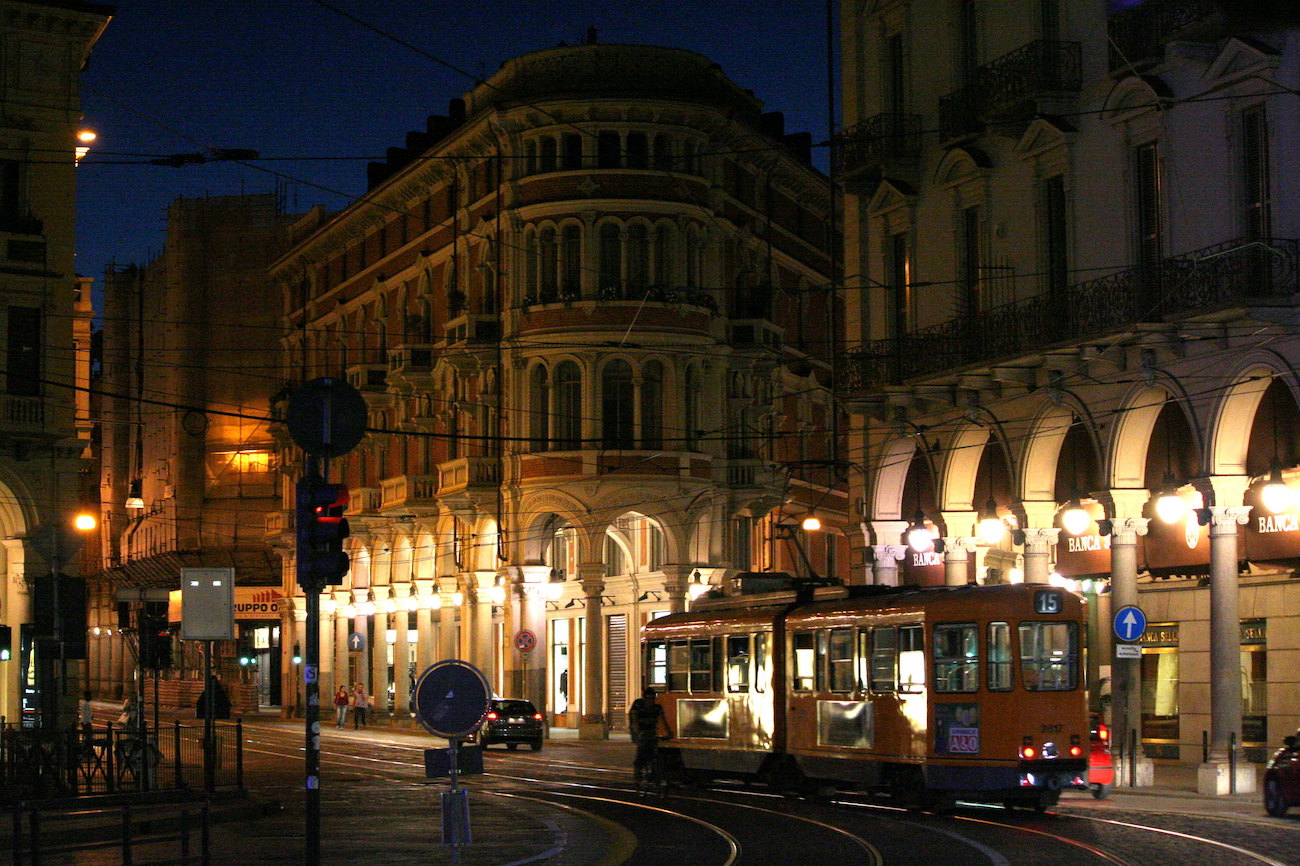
(319, 95)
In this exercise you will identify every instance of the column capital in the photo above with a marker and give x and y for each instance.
(401, 590)
(1124, 502)
(592, 574)
(1225, 519)
(959, 544)
(1040, 513)
(1225, 490)
(886, 552)
(888, 531)
(956, 521)
(1124, 530)
(1041, 537)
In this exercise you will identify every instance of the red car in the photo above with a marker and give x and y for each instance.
(1101, 769)
(1282, 778)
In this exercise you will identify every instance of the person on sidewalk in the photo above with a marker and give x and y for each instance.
(341, 707)
(361, 707)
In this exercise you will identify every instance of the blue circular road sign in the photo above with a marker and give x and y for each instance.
(451, 698)
(1130, 622)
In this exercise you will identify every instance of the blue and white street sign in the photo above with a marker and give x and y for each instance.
(1130, 622)
(356, 642)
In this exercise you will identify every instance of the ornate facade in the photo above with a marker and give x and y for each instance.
(588, 313)
(1077, 268)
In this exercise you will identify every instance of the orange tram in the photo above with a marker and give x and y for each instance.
(929, 694)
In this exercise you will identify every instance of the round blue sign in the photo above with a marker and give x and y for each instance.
(451, 698)
(1130, 622)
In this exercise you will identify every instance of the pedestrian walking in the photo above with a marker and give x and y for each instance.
(361, 707)
(341, 700)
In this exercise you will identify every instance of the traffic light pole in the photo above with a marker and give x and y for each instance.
(311, 693)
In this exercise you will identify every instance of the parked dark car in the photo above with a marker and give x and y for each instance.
(1282, 778)
(512, 721)
(1101, 768)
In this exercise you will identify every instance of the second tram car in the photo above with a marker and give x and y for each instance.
(931, 694)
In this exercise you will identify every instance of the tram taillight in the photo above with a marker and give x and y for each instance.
(1027, 750)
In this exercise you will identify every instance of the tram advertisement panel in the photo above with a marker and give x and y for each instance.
(957, 729)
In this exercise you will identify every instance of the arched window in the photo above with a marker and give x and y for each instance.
(530, 266)
(638, 260)
(611, 261)
(638, 150)
(693, 259)
(664, 152)
(539, 408)
(617, 401)
(652, 405)
(571, 262)
(691, 414)
(546, 263)
(664, 256)
(530, 158)
(454, 422)
(548, 154)
(568, 406)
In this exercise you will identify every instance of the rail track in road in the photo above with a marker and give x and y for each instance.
(733, 825)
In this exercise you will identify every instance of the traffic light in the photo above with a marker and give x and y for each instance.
(155, 637)
(321, 529)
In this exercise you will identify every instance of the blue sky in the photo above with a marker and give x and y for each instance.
(323, 94)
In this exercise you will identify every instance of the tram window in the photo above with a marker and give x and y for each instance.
(702, 665)
(999, 657)
(956, 658)
(841, 660)
(805, 661)
(821, 660)
(679, 665)
(1049, 656)
(884, 657)
(761, 674)
(657, 664)
(911, 659)
(738, 663)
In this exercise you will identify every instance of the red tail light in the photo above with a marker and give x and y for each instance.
(1075, 751)
(492, 715)
(1027, 752)
(1103, 732)
(537, 716)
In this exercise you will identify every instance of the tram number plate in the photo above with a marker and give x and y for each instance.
(964, 741)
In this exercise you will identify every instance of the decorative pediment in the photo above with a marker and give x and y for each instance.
(961, 164)
(1241, 58)
(1044, 134)
(889, 195)
(1133, 96)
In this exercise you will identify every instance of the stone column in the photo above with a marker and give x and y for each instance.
(887, 557)
(379, 678)
(402, 652)
(530, 584)
(1039, 543)
(1215, 775)
(593, 725)
(1126, 674)
(426, 647)
(677, 580)
(482, 653)
(448, 639)
(956, 557)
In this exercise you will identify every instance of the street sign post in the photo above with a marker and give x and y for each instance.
(1130, 622)
(451, 699)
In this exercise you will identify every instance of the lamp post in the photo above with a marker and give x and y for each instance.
(58, 606)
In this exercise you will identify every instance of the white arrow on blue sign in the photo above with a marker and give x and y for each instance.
(1130, 622)
(356, 642)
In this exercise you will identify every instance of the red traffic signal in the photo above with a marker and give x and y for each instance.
(321, 528)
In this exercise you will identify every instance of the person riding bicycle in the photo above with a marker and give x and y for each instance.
(645, 719)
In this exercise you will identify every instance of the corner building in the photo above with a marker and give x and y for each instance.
(1074, 227)
(588, 311)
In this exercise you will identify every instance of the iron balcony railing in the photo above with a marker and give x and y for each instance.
(865, 145)
(1139, 34)
(1041, 67)
(1230, 273)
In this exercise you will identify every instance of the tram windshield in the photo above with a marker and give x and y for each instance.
(1049, 656)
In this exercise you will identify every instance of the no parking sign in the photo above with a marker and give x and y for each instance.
(525, 641)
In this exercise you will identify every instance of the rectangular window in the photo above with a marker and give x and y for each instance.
(1049, 656)
(892, 80)
(956, 658)
(571, 160)
(911, 659)
(841, 660)
(901, 317)
(738, 659)
(762, 676)
(23, 373)
(1057, 268)
(702, 665)
(1255, 172)
(999, 651)
(608, 150)
(884, 658)
(656, 664)
(741, 542)
(679, 665)
(11, 209)
(1160, 680)
(805, 661)
(1254, 695)
(970, 256)
(1147, 199)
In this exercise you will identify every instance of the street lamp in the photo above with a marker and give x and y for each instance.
(991, 528)
(1275, 495)
(1170, 507)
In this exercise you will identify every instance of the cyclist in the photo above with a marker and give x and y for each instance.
(645, 720)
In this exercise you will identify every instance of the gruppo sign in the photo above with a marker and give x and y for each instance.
(251, 602)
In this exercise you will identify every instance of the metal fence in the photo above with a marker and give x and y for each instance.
(110, 759)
